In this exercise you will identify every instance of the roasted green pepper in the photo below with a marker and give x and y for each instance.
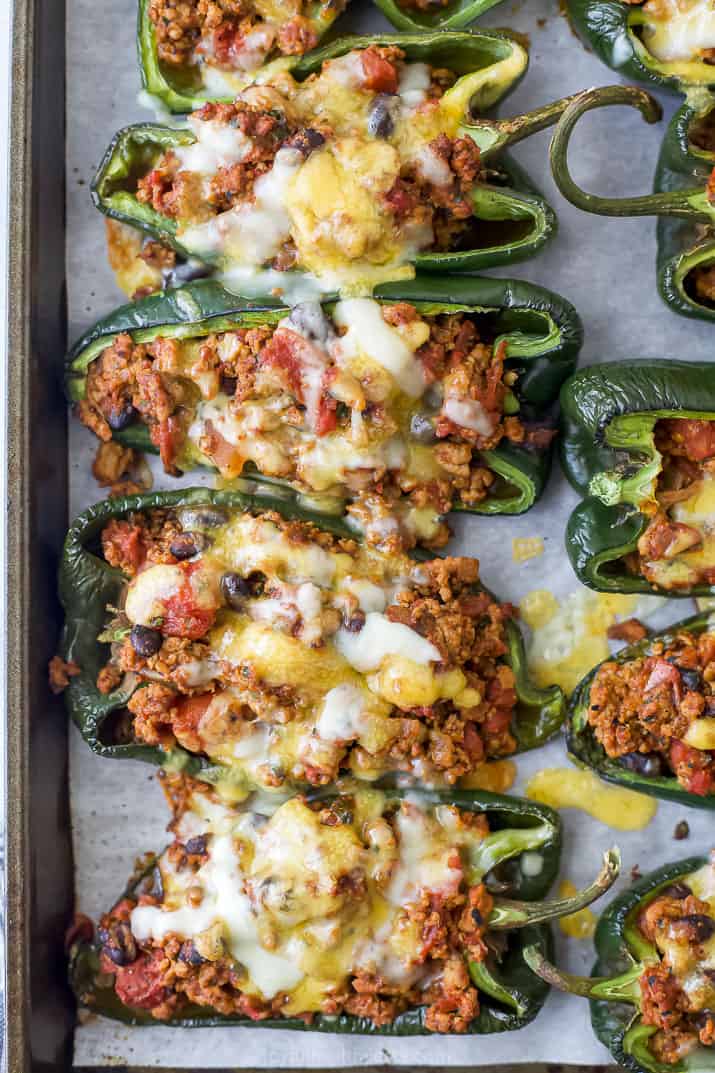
(682, 201)
(180, 86)
(89, 585)
(633, 40)
(620, 975)
(510, 996)
(542, 333)
(445, 15)
(609, 413)
(511, 220)
(584, 748)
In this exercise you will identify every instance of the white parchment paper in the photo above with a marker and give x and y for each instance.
(606, 268)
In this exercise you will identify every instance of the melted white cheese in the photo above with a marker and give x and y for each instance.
(415, 81)
(468, 413)
(369, 334)
(380, 638)
(342, 717)
(217, 145)
(149, 591)
(687, 27)
(421, 864)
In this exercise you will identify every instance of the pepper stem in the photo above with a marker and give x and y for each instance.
(503, 845)
(673, 203)
(623, 988)
(514, 914)
(494, 135)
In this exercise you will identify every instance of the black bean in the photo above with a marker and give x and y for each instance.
(692, 679)
(682, 830)
(186, 545)
(190, 955)
(229, 385)
(196, 845)
(120, 946)
(145, 641)
(206, 517)
(648, 764)
(119, 419)
(677, 890)
(422, 429)
(185, 272)
(355, 623)
(235, 590)
(696, 926)
(380, 123)
(306, 140)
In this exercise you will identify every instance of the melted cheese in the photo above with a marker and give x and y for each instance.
(678, 29)
(579, 925)
(217, 145)
(380, 638)
(150, 590)
(625, 810)
(470, 414)
(369, 334)
(343, 715)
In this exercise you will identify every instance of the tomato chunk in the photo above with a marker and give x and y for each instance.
(378, 73)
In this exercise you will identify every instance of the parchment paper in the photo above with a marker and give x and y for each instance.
(606, 267)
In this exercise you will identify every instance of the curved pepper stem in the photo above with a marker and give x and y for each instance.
(503, 845)
(674, 203)
(622, 988)
(515, 914)
(494, 135)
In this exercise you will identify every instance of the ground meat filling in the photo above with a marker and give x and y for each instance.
(677, 992)
(231, 35)
(295, 408)
(674, 550)
(656, 714)
(437, 924)
(334, 708)
(394, 174)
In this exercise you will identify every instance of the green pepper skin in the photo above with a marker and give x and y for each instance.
(598, 535)
(613, 1022)
(585, 750)
(543, 332)
(87, 585)
(519, 219)
(607, 27)
(455, 15)
(527, 991)
(682, 243)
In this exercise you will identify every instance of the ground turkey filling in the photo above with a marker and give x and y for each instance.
(291, 655)
(354, 907)
(348, 173)
(704, 277)
(312, 401)
(656, 714)
(678, 992)
(233, 35)
(677, 548)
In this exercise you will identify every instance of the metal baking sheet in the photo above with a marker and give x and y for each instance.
(606, 267)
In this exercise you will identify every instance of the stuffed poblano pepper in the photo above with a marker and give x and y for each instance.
(436, 394)
(684, 199)
(242, 638)
(197, 51)
(652, 992)
(670, 43)
(372, 911)
(645, 718)
(359, 166)
(638, 437)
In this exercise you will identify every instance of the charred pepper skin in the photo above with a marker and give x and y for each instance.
(622, 954)
(609, 28)
(542, 361)
(87, 585)
(685, 211)
(489, 66)
(586, 751)
(599, 533)
(523, 993)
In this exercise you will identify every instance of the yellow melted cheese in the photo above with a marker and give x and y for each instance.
(579, 925)
(621, 809)
(677, 31)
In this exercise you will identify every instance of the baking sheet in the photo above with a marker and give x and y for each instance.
(606, 267)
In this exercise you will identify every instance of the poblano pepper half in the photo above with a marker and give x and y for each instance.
(683, 200)
(501, 220)
(649, 944)
(626, 428)
(539, 331)
(520, 854)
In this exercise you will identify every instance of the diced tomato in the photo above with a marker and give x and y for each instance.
(687, 763)
(473, 743)
(225, 456)
(282, 353)
(327, 419)
(183, 617)
(126, 543)
(139, 984)
(189, 712)
(697, 437)
(400, 200)
(227, 42)
(700, 783)
(379, 74)
(167, 437)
